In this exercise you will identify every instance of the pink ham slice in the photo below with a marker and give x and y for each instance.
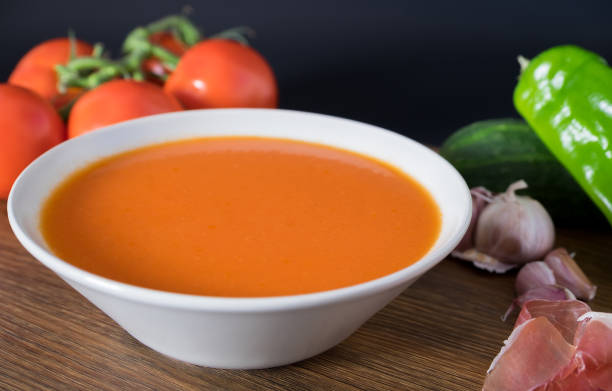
(533, 356)
(592, 363)
(594, 349)
(538, 357)
(562, 314)
(571, 383)
(546, 292)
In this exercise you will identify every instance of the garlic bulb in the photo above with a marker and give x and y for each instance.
(514, 229)
(480, 197)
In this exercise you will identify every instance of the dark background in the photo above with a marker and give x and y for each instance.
(421, 68)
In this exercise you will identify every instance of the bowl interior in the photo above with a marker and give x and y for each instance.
(438, 176)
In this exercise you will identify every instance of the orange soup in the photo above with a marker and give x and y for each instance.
(240, 217)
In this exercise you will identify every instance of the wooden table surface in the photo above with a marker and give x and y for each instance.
(440, 334)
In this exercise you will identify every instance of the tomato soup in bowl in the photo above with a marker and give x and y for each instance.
(240, 217)
(240, 238)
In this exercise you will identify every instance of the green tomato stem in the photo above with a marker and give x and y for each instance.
(169, 59)
(90, 71)
(98, 50)
(73, 43)
(179, 25)
(240, 34)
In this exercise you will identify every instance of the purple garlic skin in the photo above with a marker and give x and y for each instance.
(480, 195)
(568, 273)
(514, 229)
(533, 275)
(547, 292)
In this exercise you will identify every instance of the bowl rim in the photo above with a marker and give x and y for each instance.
(156, 297)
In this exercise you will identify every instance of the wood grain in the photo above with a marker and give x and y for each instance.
(441, 334)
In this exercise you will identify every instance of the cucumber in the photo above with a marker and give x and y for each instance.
(497, 152)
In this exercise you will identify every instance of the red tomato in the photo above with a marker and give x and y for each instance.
(36, 70)
(168, 41)
(223, 73)
(116, 101)
(28, 127)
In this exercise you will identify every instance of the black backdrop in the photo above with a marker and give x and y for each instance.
(421, 68)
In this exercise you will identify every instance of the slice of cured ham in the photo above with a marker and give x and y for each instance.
(546, 292)
(563, 314)
(594, 349)
(592, 362)
(532, 357)
(538, 357)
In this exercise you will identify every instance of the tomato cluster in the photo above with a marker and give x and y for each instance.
(211, 73)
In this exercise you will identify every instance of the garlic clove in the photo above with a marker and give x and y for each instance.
(546, 292)
(568, 273)
(480, 197)
(514, 229)
(483, 261)
(533, 275)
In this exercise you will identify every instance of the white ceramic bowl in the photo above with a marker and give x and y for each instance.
(239, 332)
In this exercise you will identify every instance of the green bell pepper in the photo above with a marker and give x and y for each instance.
(565, 94)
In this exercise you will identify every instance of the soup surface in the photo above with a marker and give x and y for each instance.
(240, 217)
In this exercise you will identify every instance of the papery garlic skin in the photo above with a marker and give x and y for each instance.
(533, 275)
(514, 229)
(483, 261)
(568, 273)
